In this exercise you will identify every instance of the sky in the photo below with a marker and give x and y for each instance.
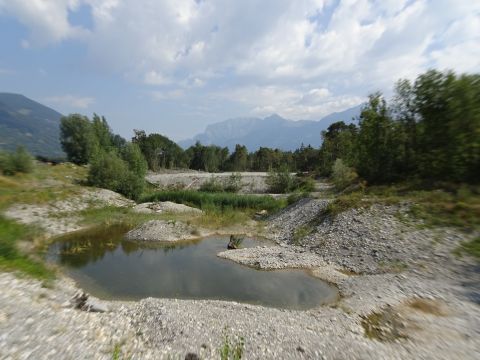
(174, 66)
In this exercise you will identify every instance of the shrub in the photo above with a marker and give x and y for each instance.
(304, 184)
(233, 183)
(342, 175)
(212, 185)
(280, 181)
(19, 161)
(109, 171)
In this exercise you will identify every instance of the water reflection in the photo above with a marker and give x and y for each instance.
(108, 266)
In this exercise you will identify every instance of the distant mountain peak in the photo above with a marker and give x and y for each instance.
(272, 131)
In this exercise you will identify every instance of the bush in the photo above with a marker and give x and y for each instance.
(280, 181)
(342, 175)
(212, 186)
(304, 184)
(19, 161)
(233, 183)
(109, 171)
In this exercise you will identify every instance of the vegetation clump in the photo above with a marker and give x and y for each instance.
(205, 200)
(19, 161)
(232, 349)
(10, 256)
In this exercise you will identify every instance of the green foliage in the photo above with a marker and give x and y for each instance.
(345, 202)
(232, 349)
(232, 184)
(82, 139)
(430, 130)
(77, 138)
(159, 151)
(471, 247)
(379, 143)
(133, 156)
(11, 258)
(342, 175)
(304, 183)
(212, 185)
(19, 161)
(338, 142)
(109, 171)
(238, 161)
(216, 200)
(301, 232)
(207, 158)
(280, 181)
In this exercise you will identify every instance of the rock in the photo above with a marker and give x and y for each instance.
(161, 230)
(191, 356)
(165, 206)
(235, 242)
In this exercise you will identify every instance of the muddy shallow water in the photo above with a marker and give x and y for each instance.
(109, 267)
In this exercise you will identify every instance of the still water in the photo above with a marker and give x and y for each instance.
(104, 264)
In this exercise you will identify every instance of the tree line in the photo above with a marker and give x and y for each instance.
(429, 130)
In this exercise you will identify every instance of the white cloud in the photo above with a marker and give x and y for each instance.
(81, 102)
(167, 95)
(47, 19)
(300, 58)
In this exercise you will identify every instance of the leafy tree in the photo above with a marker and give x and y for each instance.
(379, 143)
(102, 132)
(132, 154)
(238, 161)
(339, 141)
(159, 151)
(77, 138)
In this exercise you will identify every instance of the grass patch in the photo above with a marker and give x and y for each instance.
(346, 202)
(447, 205)
(11, 258)
(232, 349)
(471, 248)
(46, 183)
(385, 326)
(427, 306)
(205, 200)
(215, 218)
(301, 232)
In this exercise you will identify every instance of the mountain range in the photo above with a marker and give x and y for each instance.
(31, 124)
(272, 131)
(36, 126)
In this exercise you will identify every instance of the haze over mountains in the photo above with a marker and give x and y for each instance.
(272, 131)
(29, 123)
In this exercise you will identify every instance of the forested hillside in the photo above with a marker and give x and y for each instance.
(28, 123)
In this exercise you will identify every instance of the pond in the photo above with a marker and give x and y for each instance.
(104, 264)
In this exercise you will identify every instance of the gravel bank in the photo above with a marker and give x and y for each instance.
(163, 230)
(420, 301)
(165, 207)
(60, 217)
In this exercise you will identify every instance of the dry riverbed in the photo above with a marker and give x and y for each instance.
(404, 295)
